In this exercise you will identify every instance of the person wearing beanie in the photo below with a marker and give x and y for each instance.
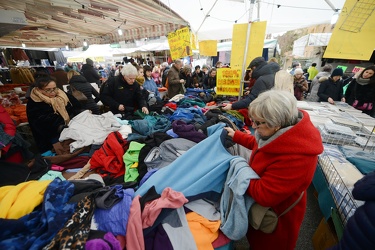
(264, 75)
(331, 89)
(90, 73)
(300, 84)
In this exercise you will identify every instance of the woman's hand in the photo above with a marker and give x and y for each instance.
(330, 100)
(121, 107)
(343, 99)
(227, 107)
(230, 131)
(145, 110)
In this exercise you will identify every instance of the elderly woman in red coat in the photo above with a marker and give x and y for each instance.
(285, 151)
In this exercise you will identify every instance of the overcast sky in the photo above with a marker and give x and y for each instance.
(291, 14)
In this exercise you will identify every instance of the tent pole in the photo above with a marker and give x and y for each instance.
(246, 48)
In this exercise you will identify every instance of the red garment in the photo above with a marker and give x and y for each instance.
(9, 126)
(11, 129)
(108, 159)
(286, 166)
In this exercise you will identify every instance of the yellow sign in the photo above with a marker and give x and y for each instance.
(75, 59)
(254, 46)
(208, 48)
(193, 41)
(228, 81)
(352, 37)
(180, 43)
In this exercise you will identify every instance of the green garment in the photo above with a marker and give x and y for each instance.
(312, 73)
(131, 161)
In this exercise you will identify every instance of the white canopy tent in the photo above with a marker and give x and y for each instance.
(214, 19)
(314, 39)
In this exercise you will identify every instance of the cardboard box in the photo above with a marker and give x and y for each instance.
(324, 236)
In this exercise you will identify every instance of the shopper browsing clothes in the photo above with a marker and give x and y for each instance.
(361, 91)
(123, 94)
(331, 89)
(300, 84)
(285, 149)
(49, 110)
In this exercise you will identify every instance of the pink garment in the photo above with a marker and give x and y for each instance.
(169, 199)
(134, 232)
(56, 167)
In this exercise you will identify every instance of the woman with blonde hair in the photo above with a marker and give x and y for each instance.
(79, 82)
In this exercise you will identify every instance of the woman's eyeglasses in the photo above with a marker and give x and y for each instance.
(49, 91)
(257, 123)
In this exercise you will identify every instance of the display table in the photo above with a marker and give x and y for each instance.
(349, 146)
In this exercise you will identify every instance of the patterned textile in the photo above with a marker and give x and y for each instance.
(37, 229)
(76, 230)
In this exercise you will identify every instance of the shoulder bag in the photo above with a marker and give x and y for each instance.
(264, 218)
(78, 94)
(356, 103)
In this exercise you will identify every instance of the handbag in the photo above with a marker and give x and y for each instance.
(264, 218)
(81, 97)
(364, 106)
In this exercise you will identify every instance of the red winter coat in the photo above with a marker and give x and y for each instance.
(286, 166)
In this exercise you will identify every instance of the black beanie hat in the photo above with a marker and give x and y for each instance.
(89, 61)
(337, 72)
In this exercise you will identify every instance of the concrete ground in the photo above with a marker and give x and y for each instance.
(309, 225)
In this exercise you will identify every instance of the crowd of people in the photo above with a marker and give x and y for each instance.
(280, 130)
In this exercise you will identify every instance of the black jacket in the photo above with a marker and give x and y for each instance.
(265, 79)
(332, 89)
(117, 91)
(362, 93)
(80, 83)
(90, 73)
(45, 124)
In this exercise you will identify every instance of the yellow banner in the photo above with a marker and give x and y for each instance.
(180, 43)
(193, 41)
(228, 81)
(254, 46)
(75, 59)
(208, 48)
(351, 37)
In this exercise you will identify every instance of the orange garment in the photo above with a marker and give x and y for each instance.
(204, 231)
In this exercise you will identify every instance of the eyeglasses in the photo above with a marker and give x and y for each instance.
(50, 90)
(257, 123)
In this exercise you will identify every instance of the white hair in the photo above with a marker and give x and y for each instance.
(277, 107)
(129, 70)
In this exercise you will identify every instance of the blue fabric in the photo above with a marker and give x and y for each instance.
(151, 124)
(325, 199)
(201, 169)
(150, 85)
(235, 203)
(37, 229)
(364, 161)
(114, 220)
(188, 115)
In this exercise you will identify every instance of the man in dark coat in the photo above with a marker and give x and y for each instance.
(264, 73)
(123, 94)
(331, 89)
(89, 72)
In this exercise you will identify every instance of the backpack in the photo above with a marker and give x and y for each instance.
(108, 159)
